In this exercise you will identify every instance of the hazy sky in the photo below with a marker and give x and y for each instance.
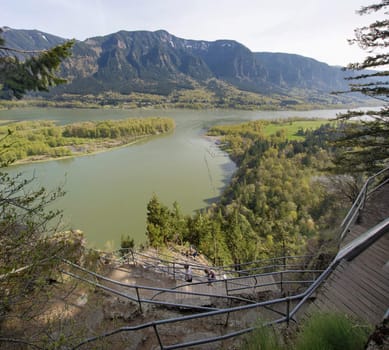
(313, 28)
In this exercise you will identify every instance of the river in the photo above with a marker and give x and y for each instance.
(107, 193)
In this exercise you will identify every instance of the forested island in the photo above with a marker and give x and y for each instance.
(29, 141)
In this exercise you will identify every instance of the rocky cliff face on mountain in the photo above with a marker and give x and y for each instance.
(158, 62)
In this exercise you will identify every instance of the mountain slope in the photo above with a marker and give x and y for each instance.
(29, 39)
(160, 63)
(289, 71)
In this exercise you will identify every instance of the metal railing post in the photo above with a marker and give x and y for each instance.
(158, 337)
(281, 283)
(226, 285)
(139, 301)
(287, 310)
(228, 314)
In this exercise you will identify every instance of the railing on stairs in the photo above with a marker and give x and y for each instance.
(231, 287)
(175, 268)
(138, 289)
(372, 184)
(277, 269)
(348, 252)
(290, 309)
(253, 286)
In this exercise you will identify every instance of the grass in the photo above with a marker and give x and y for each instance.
(292, 127)
(264, 338)
(332, 331)
(323, 331)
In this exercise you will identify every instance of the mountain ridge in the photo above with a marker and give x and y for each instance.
(160, 63)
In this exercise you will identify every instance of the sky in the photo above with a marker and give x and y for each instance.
(319, 29)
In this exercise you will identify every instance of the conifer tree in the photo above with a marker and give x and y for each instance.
(31, 247)
(22, 71)
(365, 145)
(158, 222)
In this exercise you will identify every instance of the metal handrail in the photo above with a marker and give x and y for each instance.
(255, 271)
(236, 280)
(174, 290)
(226, 267)
(248, 273)
(360, 202)
(133, 253)
(154, 324)
(358, 245)
(283, 258)
(140, 287)
(222, 269)
(138, 299)
(348, 252)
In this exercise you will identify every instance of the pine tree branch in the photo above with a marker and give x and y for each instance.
(370, 61)
(373, 8)
(369, 75)
(35, 73)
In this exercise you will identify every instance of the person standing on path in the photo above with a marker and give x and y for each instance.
(188, 273)
(210, 276)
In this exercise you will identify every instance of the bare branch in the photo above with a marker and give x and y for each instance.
(20, 341)
(27, 52)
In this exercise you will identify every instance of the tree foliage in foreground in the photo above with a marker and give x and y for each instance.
(32, 240)
(23, 71)
(32, 246)
(366, 141)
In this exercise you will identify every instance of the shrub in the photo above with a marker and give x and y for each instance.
(322, 331)
(264, 338)
(332, 331)
(126, 244)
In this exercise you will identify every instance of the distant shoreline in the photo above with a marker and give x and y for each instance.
(75, 104)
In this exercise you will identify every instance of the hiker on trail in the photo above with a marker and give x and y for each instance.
(210, 276)
(188, 273)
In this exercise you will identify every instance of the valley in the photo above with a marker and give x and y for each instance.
(186, 175)
(107, 193)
